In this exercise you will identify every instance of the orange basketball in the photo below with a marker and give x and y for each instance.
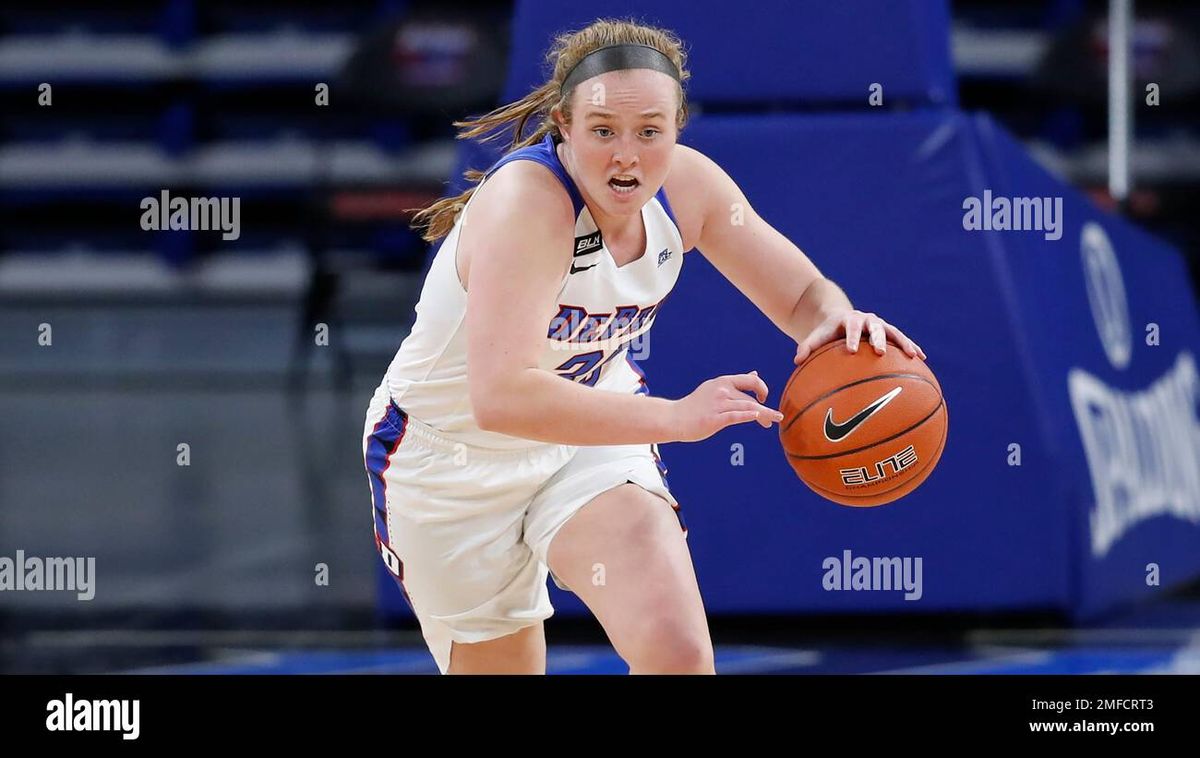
(862, 429)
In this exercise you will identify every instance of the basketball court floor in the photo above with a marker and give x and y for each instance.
(1163, 638)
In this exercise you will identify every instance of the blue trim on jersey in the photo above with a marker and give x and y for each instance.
(381, 446)
(666, 204)
(545, 154)
(662, 474)
(643, 388)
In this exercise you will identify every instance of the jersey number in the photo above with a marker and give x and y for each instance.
(587, 366)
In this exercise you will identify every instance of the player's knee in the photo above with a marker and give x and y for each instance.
(670, 648)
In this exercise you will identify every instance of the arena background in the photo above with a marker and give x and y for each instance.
(185, 407)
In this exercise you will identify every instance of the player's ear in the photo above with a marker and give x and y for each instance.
(556, 116)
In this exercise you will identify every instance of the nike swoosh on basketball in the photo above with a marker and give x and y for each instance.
(837, 432)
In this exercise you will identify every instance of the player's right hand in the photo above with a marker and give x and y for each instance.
(719, 403)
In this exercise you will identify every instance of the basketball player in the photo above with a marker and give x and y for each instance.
(513, 436)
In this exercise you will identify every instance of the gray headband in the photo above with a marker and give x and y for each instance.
(618, 58)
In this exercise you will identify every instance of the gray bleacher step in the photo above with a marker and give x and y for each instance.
(287, 161)
(77, 55)
(280, 274)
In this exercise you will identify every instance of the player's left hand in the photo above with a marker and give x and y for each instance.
(853, 324)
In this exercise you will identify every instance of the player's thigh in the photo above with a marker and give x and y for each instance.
(522, 652)
(625, 556)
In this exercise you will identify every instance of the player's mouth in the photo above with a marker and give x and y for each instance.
(623, 184)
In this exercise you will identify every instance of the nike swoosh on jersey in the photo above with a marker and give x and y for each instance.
(835, 432)
(576, 269)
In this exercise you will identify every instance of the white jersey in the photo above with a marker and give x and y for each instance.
(604, 317)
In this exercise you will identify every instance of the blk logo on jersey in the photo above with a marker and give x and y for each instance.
(592, 243)
(588, 244)
(664, 255)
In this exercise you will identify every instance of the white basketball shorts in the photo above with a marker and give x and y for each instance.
(465, 530)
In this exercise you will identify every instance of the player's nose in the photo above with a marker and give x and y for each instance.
(624, 162)
(626, 153)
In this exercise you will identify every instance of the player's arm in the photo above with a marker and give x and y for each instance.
(518, 241)
(772, 271)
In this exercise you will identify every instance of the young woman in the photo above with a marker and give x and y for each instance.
(513, 435)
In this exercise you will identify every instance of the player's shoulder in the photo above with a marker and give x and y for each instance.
(687, 188)
(690, 158)
(688, 165)
(522, 215)
(525, 191)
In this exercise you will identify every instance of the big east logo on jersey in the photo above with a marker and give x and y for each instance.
(574, 324)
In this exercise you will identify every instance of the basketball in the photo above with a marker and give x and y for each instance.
(862, 429)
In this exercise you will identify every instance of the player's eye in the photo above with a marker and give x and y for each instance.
(650, 133)
(606, 131)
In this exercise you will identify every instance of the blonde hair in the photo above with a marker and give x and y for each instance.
(568, 49)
